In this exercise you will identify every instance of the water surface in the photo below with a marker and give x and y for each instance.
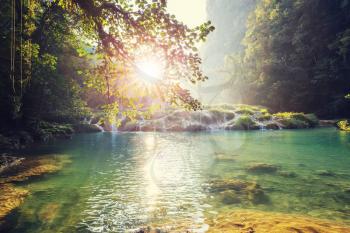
(120, 182)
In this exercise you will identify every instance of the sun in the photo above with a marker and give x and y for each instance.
(150, 71)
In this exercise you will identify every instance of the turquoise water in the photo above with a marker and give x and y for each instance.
(120, 182)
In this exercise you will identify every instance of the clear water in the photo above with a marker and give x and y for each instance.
(119, 182)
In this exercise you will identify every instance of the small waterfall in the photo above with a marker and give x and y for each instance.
(262, 127)
(99, 127)
(114, 128)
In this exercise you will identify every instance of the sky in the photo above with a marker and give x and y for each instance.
(191, 12)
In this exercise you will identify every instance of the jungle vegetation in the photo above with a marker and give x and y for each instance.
(63, 60)
(296, 57)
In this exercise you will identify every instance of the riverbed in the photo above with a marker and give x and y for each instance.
(120, 182)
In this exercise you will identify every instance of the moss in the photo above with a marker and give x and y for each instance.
(245, 111)
(245, 123)
(294, 120)
(290, 123)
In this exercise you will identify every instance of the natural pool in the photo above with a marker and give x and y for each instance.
(120, 182)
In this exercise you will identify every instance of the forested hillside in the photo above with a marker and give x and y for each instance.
(296, 57)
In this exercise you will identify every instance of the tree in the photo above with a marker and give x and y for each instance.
(95, 37)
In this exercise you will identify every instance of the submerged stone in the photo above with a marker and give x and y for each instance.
(49, 212)
(10, 198)
(34, 166)
(234, 191)
(242, 221)
(229, 197)
(262, 168)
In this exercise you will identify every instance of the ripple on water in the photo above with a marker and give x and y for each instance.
(153, 187)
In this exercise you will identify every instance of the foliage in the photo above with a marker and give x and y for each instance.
(296, 57)
(72, 58)
(343, 125)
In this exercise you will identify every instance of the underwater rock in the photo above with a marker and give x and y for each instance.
(10, 198)
(34, 166)
(235, 191)
(49, 212)
(229, 197)
(262, 168)
(244, 221)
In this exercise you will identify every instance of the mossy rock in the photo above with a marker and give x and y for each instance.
(264, 117)
(245, 122)
(245, 111)
(293, 124)
(293, 120)
(273, 126)
(230, 197)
